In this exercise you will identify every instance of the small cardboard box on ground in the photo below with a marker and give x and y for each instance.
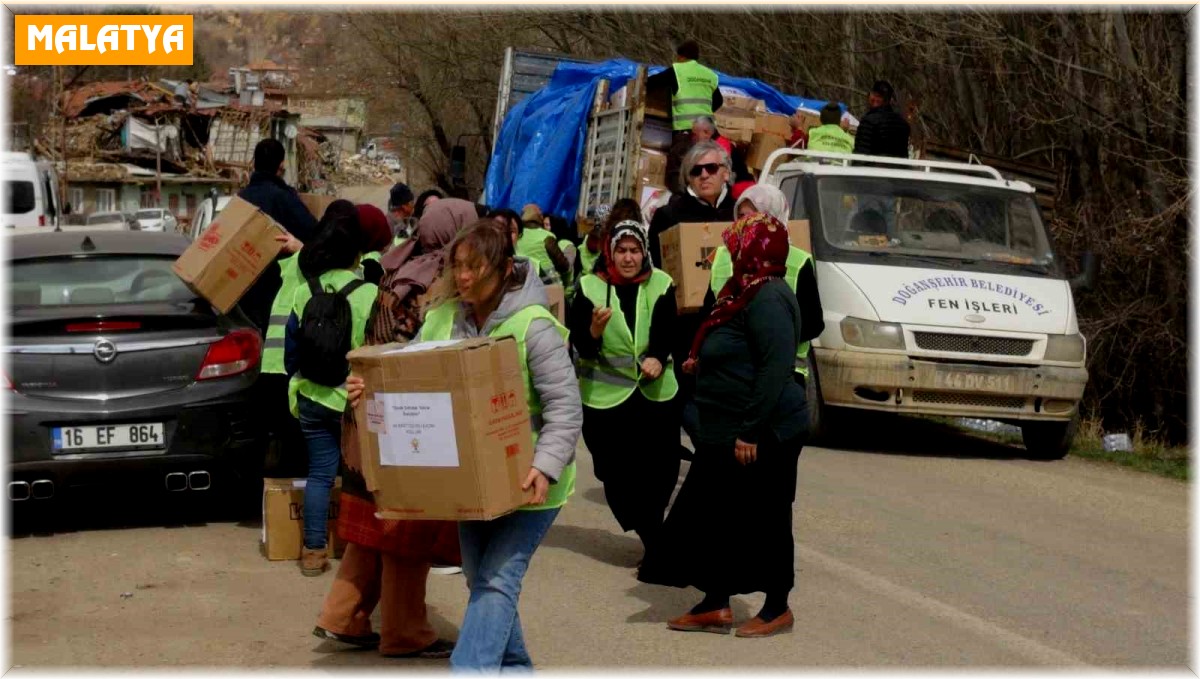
(447, 432)
(283, 519)
(687, 252)
(230, 255)
(316, 204)
(762, 145)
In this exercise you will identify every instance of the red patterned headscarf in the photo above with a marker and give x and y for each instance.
(759, 248)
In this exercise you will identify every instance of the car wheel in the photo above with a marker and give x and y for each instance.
(1049, 440)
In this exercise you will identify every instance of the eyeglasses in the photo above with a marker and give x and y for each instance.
(711, 168)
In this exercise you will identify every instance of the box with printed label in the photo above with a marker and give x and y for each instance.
(316, 204)
(687, 254)
(447, 433)
(230, 255)
(283, 519)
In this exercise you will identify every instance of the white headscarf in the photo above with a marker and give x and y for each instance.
(767, 199)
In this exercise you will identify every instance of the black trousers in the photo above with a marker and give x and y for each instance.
(635, 451)
(287, 454)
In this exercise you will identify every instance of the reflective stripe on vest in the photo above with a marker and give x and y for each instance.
(439, 326)
(532, 246)
(831, 139)
(361, 301)
(610, 380)
(722, 271)
(289, 276)
(694, 98)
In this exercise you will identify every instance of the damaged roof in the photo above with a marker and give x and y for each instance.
(105, 97)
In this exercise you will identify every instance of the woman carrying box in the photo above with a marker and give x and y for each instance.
(621, 326)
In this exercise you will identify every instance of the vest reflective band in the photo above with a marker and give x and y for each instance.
(532, 246)
(722, 271)
(831, 139)
(361, 301)
(610, 380)
(694, 98)
(272, 356)
(439, 326)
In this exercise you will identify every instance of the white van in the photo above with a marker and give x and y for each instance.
(29, 194)
(941, 295)
(206, 212)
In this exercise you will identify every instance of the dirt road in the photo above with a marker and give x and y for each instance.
(949, 552)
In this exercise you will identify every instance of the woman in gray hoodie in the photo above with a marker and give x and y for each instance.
(496, 295)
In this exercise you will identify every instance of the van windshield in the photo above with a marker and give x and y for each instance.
(954, 225)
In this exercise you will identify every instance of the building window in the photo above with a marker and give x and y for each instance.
(191, 203)
(173, 203)
(106, 200)
(148, 199)
(75, 198)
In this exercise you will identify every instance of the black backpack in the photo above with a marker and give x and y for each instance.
(325, 334)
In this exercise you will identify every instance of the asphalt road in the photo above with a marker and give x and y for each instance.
(945, 551)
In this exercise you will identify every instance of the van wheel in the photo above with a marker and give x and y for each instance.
(821, 418)
(1049, 440)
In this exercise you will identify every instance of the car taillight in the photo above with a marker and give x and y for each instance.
(232, 355)
(104, 326)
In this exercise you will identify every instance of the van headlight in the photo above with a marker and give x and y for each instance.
(1065, 348)
(859, 332)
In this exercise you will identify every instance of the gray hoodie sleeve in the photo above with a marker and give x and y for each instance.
(554, 380)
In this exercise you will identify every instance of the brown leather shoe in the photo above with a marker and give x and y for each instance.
(718, 622)
(313, 562)
(757, 628)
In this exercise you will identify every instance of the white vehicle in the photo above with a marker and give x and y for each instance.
(104, 221)
(205, 214)
(941, 295)
(30, 192)
(156, 219)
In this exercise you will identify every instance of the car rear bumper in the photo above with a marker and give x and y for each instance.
(898, 383)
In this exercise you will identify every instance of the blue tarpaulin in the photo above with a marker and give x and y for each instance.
(538, 156)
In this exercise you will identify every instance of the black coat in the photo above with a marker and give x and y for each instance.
(686, 208)
(882, 132)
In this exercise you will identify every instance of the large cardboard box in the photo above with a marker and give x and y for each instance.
(652, 168)
(761, 147)
(232, 253)
(447, 432)
(744, 103)
(773, 123)
(687, 252)
(316, 204)
(735, 125)
(558, 302)
(283, 519)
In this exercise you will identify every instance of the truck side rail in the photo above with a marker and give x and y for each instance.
(906, 163)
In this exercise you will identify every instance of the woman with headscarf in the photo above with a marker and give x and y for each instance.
(621, 322)
(730, 529)
(387, 563)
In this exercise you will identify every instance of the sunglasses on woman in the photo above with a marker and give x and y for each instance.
(711, 168)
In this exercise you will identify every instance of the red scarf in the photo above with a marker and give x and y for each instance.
(607, 269)
(759, 248)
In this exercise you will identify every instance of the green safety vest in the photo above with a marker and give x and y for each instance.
(831, 139)
(588, 259)
(532, 246)
(569, 278)
(722, 271)
(610, 380)
(372, 256)
(694, 98)
(361, 301)
(439, 325)
(290, 277)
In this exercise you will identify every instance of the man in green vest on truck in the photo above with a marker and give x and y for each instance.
(694, 93)
(829, 137)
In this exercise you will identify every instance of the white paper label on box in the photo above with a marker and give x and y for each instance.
(375, 416)
(418, 430)
(421, 346)
(299, 483)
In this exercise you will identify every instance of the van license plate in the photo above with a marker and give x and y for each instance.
(146, 435)
(955, 380)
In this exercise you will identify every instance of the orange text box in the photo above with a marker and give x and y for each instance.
(102, 39)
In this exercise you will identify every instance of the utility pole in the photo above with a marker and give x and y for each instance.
(157, 163)
(60, 106)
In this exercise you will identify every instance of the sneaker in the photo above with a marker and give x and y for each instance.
(445, 570)
(365, 641)
(313, 562)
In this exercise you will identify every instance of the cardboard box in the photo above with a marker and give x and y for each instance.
(761, 147)
(744, 103)
(652, 168)
(656, 134)
(658, 102)
(232, 253)
(687, 251)
(773, 123)
(735, 125)
(558, 302)
(316, 204)
(283, 519)
(800, 234)
(447, 432)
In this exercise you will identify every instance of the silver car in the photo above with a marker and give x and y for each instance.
(156, 219)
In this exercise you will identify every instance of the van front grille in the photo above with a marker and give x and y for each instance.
(973, 344)
(951, 398)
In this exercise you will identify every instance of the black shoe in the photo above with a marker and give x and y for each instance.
(366, 641)
(435, 651)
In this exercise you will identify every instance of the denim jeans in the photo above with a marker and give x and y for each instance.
(322, 429)
(495, 557)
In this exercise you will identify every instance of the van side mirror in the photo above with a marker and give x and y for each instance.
(1089, 269)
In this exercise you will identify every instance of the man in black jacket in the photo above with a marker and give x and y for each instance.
(882, 131)
(268, 192)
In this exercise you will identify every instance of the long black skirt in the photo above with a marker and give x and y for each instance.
(730, 529)
(635, 451)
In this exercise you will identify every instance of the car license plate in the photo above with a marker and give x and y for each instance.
(955, 380)
(145, 435)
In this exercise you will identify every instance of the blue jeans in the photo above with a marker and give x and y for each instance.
(322, 429)
(495, 557)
